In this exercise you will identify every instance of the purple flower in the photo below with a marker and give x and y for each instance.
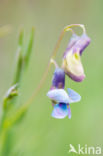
(72, 64)
(63, 101)
(58, 80)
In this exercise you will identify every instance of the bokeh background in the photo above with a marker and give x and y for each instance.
(40, 134)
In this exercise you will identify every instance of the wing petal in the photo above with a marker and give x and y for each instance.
(74, 96)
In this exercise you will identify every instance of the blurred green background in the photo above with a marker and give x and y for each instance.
(40, 134)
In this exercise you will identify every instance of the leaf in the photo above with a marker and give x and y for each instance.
(19, 58)
(29, 48)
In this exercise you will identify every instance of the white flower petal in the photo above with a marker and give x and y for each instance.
(58, 95)
(74, 96)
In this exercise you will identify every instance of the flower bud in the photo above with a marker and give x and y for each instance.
(58, 80)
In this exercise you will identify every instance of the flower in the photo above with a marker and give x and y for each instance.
(58, 80)
(60, 98)
(72, 64)
(63, 101)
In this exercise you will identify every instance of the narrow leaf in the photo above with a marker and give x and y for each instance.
(29, 48)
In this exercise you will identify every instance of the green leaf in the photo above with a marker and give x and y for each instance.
(29, 48)
(19, 59)
(21, 37)
(7, 142)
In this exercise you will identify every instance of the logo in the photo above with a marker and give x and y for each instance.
(85, 150)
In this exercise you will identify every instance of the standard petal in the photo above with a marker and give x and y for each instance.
(74, 96)
(58, 95)
(60, 111)
(72, 42)
(82, 43)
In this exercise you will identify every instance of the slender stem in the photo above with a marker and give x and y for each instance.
(59, 41)
(52, 61)
(40, 85)
(67, 28)
(48, 67)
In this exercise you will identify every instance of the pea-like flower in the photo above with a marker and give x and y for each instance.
(72, 64)
(61, 100)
